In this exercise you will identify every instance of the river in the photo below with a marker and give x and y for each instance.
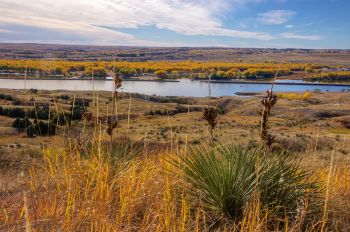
(184, 87)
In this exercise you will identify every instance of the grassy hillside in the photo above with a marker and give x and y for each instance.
(162, 172)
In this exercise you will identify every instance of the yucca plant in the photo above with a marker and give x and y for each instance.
(227, 178)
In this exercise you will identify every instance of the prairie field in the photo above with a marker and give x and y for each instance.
(162, 171)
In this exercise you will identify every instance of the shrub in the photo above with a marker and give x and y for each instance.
(81, 102)
(45, 128)
(21, 123)
(30, 131)
(77, 112)
(226, 179)
(6, 97)
(12, 112)
(64, 97)
(78, 108)
(33, 91)
(41, 113)
(61, 119)
(41, 129)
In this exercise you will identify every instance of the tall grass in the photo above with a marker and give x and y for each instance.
(99, 194)
(243, 190)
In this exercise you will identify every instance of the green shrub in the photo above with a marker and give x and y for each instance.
(61, 119)
(225, 180)
(64, 97)
(45, 128)
(21, 123)
(78, 108)
(30, 131)
(6, 97)
(33, 91)
(41, 113)
(12, 112)
(41, 129)
(81, 102)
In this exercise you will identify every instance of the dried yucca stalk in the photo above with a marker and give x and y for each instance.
(210, 115)
(112, 121)
(268, 102)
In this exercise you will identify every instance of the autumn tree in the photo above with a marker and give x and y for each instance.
(161, 74)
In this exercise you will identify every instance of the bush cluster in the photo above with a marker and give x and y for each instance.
(44, 113)
(40, 128)
(12, 112)
(179, 109)
(6, 97)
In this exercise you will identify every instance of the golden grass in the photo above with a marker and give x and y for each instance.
(339, 131)
(295, 96)
(337, 216)
(69, 193)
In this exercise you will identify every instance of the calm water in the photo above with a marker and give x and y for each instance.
(182, 88)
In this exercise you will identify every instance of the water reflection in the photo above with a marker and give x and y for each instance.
(182, 88)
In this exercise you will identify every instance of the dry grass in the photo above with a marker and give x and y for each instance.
(295, 96)
(66, 190)
(70, 193)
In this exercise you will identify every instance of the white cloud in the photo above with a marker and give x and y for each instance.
(5, 31)
(90, 21)
(289, 26)
(275, 17)
(302, 37)
(88, 18)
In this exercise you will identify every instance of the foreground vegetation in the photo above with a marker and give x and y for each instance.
(164, 172)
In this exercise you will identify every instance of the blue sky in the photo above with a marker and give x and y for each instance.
(214, 23)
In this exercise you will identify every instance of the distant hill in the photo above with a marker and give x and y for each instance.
(108, 53)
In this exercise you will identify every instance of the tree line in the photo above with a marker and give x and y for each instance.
(162, 69)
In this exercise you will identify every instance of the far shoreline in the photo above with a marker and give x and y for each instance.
(82, 79)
